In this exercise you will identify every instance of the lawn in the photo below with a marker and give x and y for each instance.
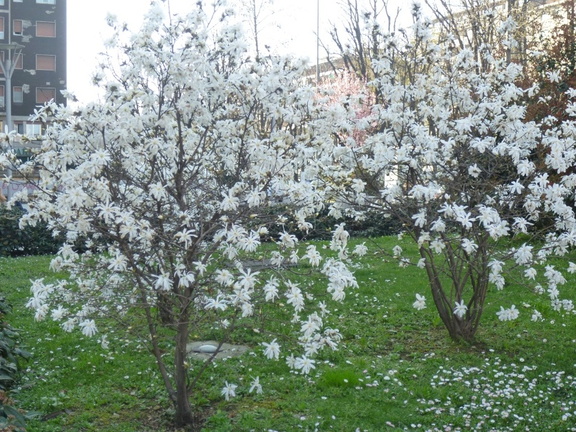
(396, 369)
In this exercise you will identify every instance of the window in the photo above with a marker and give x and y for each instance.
(33, 129)
(29, 129)
(17, 27)
(45, 94)
(2, 104)
(45, 1)
(45, 62)
(17, 94)
(1, 28)
(17, 1)
(1, 2)
(45, 29)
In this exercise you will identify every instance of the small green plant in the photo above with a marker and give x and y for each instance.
(340, 377)
(10, 354)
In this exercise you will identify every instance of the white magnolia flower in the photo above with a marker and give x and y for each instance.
(466, 219)
(360, 250)
(250, 243)
(438, 225)
(69, 324)
(216, 303)
(304, 364)
(186, 237)
(530, 273)
(469, 246)
(420, 302)
(474, 171)
(313, 256)
(291, 361)
(420, 219)
(523, 254)
(271, 289)
(157, 191)
(228, 391)
(256, 386)
(288, 240)
(295, 297)
(104, 342)
(311, 326)
(255, 198)
(460, 309)
(536, 316)
(271, 350)
(59, 313)
(553, 76)
(437, 245)
(163, 282)
(509, 314)
(229, 202)
(88, 328)
(224, 277)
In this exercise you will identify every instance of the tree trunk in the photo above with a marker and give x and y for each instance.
(475, 276)
(184, 414)
(460, 329)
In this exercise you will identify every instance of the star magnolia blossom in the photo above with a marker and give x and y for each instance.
(304, 364)
(420, 302)
(460, 309)
(229, 390)
(272, 349)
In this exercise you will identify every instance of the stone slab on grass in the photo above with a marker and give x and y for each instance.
(205, 349)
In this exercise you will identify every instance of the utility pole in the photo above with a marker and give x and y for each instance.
(317, 43)
(8, 65)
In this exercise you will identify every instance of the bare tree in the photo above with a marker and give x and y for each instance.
(257, 13)
(478, 24)
(360, 37)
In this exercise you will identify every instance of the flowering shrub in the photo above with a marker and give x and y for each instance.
(163, 192)
(452, 158)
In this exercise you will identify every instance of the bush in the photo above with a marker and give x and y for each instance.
(373, 225)
(29, 241)
(11, 419)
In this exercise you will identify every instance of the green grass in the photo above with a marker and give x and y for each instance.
(396, 369)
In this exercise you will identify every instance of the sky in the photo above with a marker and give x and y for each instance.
(291, 28)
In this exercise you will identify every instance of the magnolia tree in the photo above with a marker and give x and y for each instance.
(165, 192)
(477, 187)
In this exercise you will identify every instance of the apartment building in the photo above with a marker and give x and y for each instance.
(33, 56)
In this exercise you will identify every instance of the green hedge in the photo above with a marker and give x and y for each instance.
(29, 241)
(374, 224)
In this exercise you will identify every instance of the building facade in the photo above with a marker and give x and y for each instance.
(33, 45)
